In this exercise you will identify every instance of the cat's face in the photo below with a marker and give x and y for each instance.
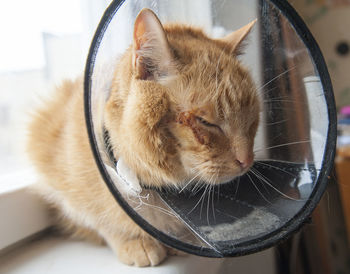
(184, 106)
(216, 115)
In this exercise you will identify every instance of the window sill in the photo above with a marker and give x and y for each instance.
(21, 212)
(57, 255)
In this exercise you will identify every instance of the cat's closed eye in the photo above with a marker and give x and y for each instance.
(206, 123)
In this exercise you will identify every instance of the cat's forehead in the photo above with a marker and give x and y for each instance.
(218, 91)
(209, 61)
(190, 43)
(211, 82)
(211, 79)
(206, 54)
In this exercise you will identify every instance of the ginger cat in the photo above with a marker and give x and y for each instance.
(181, 104)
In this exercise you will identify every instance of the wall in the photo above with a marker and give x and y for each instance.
(329, 22)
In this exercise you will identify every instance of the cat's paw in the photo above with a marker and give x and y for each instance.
(143, 251)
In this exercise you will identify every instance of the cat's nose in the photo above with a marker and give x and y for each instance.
(244, 160)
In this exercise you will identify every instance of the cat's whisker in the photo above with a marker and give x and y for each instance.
(283, 145)
(275, 78)
(212, 202)
(283, 101)
(263, 184)
(274, 160)
(203, 196)
(218, 192)
(262, 195)
(208, 203)
(193, 178)
(238, 181)
(252, 171)
(276, 123)
(277, 98)
(200, 184)
(267, 91)
(260, 176)
(274, 188)
(211, 180)
(278, 168)
(199, 200)
(198, 187)
(210, 194)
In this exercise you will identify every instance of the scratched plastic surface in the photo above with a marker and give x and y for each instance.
(289, 147)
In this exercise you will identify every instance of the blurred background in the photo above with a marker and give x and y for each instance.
(43, 42)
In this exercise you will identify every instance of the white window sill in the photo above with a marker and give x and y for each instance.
(14, 181)
(22, 214)
(56, 255)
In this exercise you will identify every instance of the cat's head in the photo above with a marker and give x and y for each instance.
(213, 108)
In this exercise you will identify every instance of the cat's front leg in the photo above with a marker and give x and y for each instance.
(141, 250)
(143, 128)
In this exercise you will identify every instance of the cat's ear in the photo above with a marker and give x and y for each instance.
(236, 39)
(152, 56)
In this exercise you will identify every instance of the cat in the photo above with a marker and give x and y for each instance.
(181, 104)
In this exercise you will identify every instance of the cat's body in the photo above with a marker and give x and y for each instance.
(181, 105)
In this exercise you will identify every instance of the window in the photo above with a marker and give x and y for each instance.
(46, 41)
